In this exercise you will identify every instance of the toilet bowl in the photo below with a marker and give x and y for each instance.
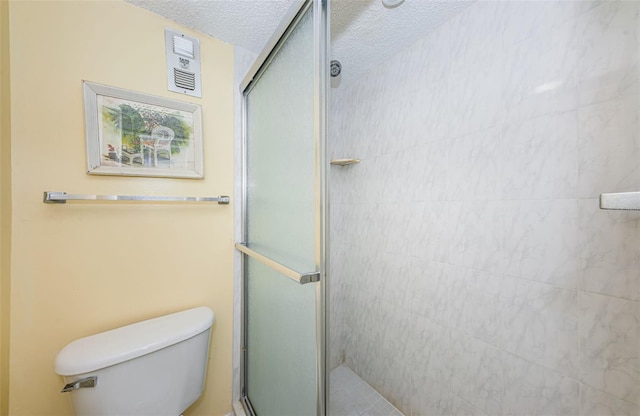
(155, 367)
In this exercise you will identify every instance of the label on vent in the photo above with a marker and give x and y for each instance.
(184, 79)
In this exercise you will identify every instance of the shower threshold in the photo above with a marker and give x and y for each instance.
(352, 396)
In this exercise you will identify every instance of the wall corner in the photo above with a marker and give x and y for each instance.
(5, 206)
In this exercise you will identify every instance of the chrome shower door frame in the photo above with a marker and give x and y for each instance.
(321, 77)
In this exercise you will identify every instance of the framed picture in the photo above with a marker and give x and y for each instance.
(135, 134)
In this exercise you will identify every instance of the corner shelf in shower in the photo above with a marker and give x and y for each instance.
(344, 162)
(620, 201)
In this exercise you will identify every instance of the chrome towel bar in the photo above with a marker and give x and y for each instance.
(63, 197)
(301, 278)
(622, 200)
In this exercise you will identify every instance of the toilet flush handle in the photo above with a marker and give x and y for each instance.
(79, 384)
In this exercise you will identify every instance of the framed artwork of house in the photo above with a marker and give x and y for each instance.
(133, 134)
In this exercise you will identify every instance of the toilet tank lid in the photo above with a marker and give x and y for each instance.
(122, 344)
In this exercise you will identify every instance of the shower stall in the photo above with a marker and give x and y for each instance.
(464, 266)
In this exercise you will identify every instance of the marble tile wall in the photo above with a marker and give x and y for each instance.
(472, 271)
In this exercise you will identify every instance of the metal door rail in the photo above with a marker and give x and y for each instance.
(301, 278)
(622, 200)
(63, 197)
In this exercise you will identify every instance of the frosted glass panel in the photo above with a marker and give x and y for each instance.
(281, 321)
(281, 355)
(281, 154)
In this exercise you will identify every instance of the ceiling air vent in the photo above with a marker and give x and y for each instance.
(183, 63)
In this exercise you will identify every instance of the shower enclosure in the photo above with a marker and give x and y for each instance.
(472, 270)
(284, 209)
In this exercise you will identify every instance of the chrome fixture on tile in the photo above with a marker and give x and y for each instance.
(390, 4)
(620, 201)
(336, 68)
(344, 162)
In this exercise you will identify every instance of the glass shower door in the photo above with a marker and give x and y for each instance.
(283, 223)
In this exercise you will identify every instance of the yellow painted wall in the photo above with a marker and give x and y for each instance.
(5, 207)
(82, 268)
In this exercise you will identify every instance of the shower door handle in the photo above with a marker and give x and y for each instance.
(301, 278)
(622, 201)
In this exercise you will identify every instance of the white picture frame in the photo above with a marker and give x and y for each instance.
(134, 134)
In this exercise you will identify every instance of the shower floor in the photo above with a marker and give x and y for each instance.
(352, 396)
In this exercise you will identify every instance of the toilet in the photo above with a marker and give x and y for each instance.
(155, 367)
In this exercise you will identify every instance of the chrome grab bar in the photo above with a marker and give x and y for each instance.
(301, 278)
(622, 200)
(63, 197)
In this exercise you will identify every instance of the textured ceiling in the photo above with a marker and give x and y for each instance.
(245, 23)
(364, 33)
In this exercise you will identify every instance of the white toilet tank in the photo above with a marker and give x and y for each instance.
(155, 367)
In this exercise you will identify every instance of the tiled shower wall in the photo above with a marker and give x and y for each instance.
(472, 270)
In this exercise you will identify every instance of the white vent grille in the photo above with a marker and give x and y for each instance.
(183, 63)
(184, 79)
(183, 47)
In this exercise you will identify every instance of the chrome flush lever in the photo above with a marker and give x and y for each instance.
(79, 384)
